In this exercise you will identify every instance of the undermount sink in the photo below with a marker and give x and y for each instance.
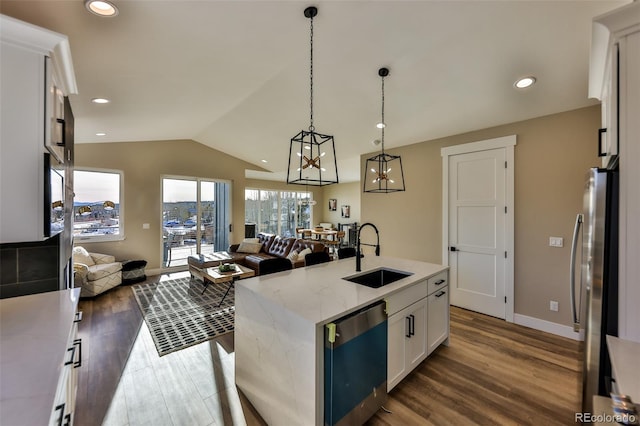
(378, 277)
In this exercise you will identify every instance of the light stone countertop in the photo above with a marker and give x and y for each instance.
(34, 332)
(319, 294)
(625, 355)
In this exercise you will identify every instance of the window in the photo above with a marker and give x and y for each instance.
(97, 205)
(277, 212)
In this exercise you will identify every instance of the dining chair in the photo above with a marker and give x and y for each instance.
(345, 252)
(316, 258)
(277, 264)
(334, 242)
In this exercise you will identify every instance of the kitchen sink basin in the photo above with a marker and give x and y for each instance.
(378, 277)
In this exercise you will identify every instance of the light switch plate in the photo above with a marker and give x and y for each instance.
(556, 241)
(145, 226)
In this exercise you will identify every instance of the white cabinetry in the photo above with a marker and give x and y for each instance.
(438, 309)
(418, 322)
(614, 78)
(407, 341)
(39, 358)
(36, 72)
(65, 400)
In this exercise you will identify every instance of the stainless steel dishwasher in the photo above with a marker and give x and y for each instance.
(355, 366)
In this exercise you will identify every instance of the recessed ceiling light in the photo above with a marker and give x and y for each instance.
(101, 134)
(524, 82)
(100, 101)
(101, 8)
(264, 161)
(381, 125)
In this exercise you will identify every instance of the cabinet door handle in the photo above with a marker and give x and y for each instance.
(61, 121)
(408, 328)
(412, 329)
(440, 294)
(78, 343)
(601, 152)
(440, 282)
(78, 317)
(68, 419)
(61, 417)
(72, 349)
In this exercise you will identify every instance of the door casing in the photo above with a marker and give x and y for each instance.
(508, 143)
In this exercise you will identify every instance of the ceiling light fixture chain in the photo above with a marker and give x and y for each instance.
(383, 122)
(311, 127)
(312, 156)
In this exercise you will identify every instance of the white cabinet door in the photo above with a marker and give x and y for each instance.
(608, 134)
(407, 341)
(418, 331)
(397, 349)
(438, 318)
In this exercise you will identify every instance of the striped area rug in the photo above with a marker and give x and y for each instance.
(179, 315)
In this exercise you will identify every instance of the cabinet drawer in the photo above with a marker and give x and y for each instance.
(406, 297)
(438, 282)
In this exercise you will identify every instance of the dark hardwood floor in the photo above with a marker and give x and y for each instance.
(493, 373)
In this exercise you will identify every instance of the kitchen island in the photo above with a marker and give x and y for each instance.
(280, 321)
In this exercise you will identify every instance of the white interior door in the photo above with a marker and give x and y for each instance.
(479, 235)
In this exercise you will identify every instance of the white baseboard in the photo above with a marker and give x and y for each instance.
(152, 272)
(547, 326)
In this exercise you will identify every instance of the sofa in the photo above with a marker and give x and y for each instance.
(251, 252)
(95, 273)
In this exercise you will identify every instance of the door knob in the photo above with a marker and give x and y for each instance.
(453, 248)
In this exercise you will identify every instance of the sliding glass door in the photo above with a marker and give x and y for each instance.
(195, 218)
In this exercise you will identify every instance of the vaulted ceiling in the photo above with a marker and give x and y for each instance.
(234, 75)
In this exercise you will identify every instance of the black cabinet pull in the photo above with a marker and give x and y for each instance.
(440, 282)
(72, 349)
(601, 153)
(453, 248)
(61, 417)
(61, 121)
(76, 344)
(408, 328)
(78, 317)
(412, 328)
(440, 294)
(68, 419)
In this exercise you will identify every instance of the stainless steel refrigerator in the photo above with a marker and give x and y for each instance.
(594, 295)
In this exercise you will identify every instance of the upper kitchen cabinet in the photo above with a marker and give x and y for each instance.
(614, 78)
(36, 74)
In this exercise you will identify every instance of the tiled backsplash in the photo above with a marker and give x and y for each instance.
(27, 268)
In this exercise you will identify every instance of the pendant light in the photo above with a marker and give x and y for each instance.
(383, 172)
(312, 156)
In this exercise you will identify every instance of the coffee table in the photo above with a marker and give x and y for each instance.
(198, 263)
(213, 275)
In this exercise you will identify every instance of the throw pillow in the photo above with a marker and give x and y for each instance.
(303, 253)
(252, 247)
(293, 256)
(81, 255)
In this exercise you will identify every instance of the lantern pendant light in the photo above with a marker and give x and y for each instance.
(312, 156)
(383, 173)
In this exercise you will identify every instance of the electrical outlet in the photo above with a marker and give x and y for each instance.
(556, 242)
(553, 306)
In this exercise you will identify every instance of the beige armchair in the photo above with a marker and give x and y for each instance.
(95, 273)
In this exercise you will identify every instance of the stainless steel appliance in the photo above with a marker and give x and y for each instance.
(595, 300)
(355, 366)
